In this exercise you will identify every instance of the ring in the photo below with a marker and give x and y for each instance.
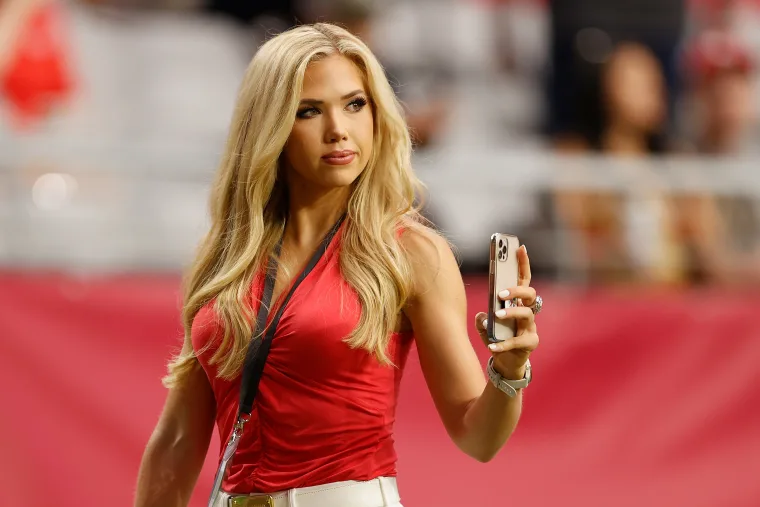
(537, 305)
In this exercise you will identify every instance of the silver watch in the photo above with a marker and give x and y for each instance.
(507, 386)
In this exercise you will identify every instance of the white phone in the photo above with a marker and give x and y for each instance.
(503, 273)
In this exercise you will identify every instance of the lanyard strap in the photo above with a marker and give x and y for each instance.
(258, 350)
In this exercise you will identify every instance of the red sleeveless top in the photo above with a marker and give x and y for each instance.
(324, 412)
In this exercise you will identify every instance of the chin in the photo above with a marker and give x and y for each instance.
(337, 176)
(339, 182)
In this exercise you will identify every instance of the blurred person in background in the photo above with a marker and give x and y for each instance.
(318, 146)
(632, 97)
(720, 71)
(718, 236)
(611, 81)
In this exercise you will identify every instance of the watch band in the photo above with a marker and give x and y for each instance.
(507, 386)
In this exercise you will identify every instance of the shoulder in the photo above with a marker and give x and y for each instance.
(430, 256)
(421, 242)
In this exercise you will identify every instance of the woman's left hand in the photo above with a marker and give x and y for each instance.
(510, 356)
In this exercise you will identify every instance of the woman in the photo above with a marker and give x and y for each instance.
(318, 145)
(633, 107)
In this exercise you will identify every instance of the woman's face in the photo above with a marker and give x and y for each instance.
(331, 141)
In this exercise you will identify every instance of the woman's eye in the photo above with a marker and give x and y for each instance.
(307, 112)
(357, 104)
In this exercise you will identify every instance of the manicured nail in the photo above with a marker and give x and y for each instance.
(501, 313)
(485, 323)
(525, 249)
(504, 294)
(493, 347)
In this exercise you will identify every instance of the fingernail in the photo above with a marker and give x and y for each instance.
(485, 323)
(493, 347)
(504, 294)
(501, 313)
(525, 248)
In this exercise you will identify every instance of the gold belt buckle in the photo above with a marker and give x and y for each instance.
(251, 501)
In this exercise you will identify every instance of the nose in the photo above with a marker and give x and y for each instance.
(335, 130)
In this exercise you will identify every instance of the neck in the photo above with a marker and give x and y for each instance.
(310, 216)
(620, 139)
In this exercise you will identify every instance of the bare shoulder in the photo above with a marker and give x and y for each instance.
(431, 257)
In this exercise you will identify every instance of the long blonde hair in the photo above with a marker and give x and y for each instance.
(248, 203)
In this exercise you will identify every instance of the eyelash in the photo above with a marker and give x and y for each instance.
(359, 102)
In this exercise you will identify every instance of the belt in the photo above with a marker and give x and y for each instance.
(375, 493)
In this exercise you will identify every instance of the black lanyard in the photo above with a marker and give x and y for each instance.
(258, 350)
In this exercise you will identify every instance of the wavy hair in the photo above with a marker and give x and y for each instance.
(248, 202)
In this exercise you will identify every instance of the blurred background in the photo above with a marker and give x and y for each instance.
(619, 139)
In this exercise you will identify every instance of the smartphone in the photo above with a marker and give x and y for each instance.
(502, 274)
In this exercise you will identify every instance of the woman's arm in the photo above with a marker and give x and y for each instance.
(177, 449)
(478, 417)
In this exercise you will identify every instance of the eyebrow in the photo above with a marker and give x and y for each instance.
(344, 97)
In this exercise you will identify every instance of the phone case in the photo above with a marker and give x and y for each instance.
(502, 274)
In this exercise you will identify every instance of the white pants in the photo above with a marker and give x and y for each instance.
(380, 492)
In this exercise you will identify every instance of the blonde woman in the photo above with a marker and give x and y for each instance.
(312, 210)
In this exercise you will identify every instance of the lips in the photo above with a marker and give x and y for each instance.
(342, 157)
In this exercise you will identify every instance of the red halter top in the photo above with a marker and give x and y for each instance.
(324, 412)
